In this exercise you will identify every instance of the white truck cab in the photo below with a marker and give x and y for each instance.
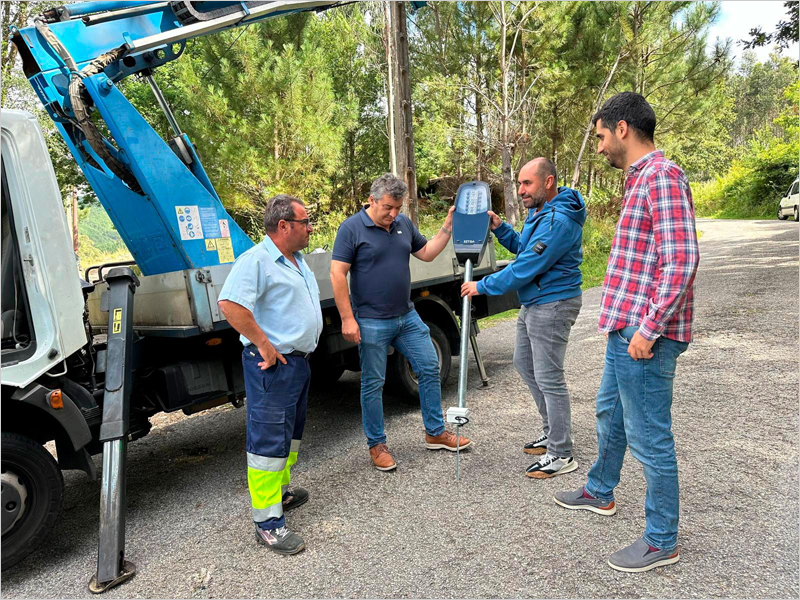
(42, 302)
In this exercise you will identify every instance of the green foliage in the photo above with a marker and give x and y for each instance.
(597, 236)
(755, 182)
(753, 186)
(93, 222)
(297, 104)
(98, 241)
(785, 34)
(757, 93)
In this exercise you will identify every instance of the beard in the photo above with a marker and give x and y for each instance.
(535, 201)
(616, 156)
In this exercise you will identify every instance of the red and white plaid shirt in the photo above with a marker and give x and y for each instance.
(649, 281)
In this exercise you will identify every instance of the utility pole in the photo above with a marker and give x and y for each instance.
(404, 165)
(388, 39)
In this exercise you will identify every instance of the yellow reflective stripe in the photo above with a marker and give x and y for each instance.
(266, 463)
(287, 475)
(265, 487)
(295, 447)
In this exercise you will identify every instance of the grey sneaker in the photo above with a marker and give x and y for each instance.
(537, 446)
(550, 466)
(640, 556)
(294, 497)
(581, 500)
(280, 540)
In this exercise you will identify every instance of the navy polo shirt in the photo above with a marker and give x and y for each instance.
(380, 276)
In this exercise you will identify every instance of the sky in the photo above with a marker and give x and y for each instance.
(738, 17)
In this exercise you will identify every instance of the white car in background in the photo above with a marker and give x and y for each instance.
(789, 203)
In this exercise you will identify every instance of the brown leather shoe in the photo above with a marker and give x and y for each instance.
(446, 441)
(381, 458)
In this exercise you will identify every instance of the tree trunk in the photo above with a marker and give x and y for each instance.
(554, 138)
(509, 189)
(275, 148)
(75, 218)
(18, 20)
(576, 173)
(479, 157)
(351, 151)
(403, 128)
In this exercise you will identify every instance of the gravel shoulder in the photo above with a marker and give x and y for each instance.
(416, 532)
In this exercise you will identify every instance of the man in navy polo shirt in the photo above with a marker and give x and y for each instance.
(374, 246)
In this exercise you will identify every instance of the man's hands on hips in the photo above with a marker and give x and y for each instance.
(270, 356)
(470, 289)
(494, 221)
(639, 347)
(350, 331)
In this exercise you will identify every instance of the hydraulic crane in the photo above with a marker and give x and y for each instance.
(155, 191)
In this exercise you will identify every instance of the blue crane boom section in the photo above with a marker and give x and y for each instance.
(156, 192)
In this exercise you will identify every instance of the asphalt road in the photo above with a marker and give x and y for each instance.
(416, 532)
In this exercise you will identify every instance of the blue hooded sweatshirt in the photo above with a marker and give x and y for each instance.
(549, 253)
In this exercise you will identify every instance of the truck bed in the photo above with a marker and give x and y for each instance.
(184, 303)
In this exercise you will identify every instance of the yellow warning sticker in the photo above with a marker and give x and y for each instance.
(117, 322)
(211, 244)
(225, 250)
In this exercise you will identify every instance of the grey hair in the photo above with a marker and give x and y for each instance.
(388, 185)
(279, 208)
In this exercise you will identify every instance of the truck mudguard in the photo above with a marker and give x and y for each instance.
(69, 418)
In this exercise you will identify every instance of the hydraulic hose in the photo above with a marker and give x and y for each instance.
(81, 108)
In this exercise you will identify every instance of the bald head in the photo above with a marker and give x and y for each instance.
(538, 182)
(544, 167)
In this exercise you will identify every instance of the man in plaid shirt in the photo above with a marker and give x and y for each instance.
(646, 313)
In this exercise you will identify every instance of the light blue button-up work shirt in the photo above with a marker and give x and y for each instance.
(284, 299)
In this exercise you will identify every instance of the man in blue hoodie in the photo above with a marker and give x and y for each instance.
(547, 277)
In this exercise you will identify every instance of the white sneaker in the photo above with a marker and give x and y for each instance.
(550, 466)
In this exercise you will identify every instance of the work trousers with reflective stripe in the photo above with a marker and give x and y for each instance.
(276, 416)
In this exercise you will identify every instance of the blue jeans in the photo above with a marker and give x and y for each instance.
(412, 338)
(634, 410)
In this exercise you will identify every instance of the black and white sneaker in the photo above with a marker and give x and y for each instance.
(550, 466)
(280, 540)
(537, 446)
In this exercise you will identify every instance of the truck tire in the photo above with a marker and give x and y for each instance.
(32, 496)
(401, 381)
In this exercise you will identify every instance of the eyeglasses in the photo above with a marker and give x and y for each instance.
(304, 222)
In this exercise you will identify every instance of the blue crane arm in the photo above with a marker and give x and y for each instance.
(156, 192)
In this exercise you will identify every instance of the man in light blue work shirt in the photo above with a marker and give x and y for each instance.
(272, 299)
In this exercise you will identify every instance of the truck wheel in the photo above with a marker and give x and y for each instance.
(795, 215)
(32, 496)
(400, 377)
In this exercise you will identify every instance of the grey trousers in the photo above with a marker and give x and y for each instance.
(542, 335)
